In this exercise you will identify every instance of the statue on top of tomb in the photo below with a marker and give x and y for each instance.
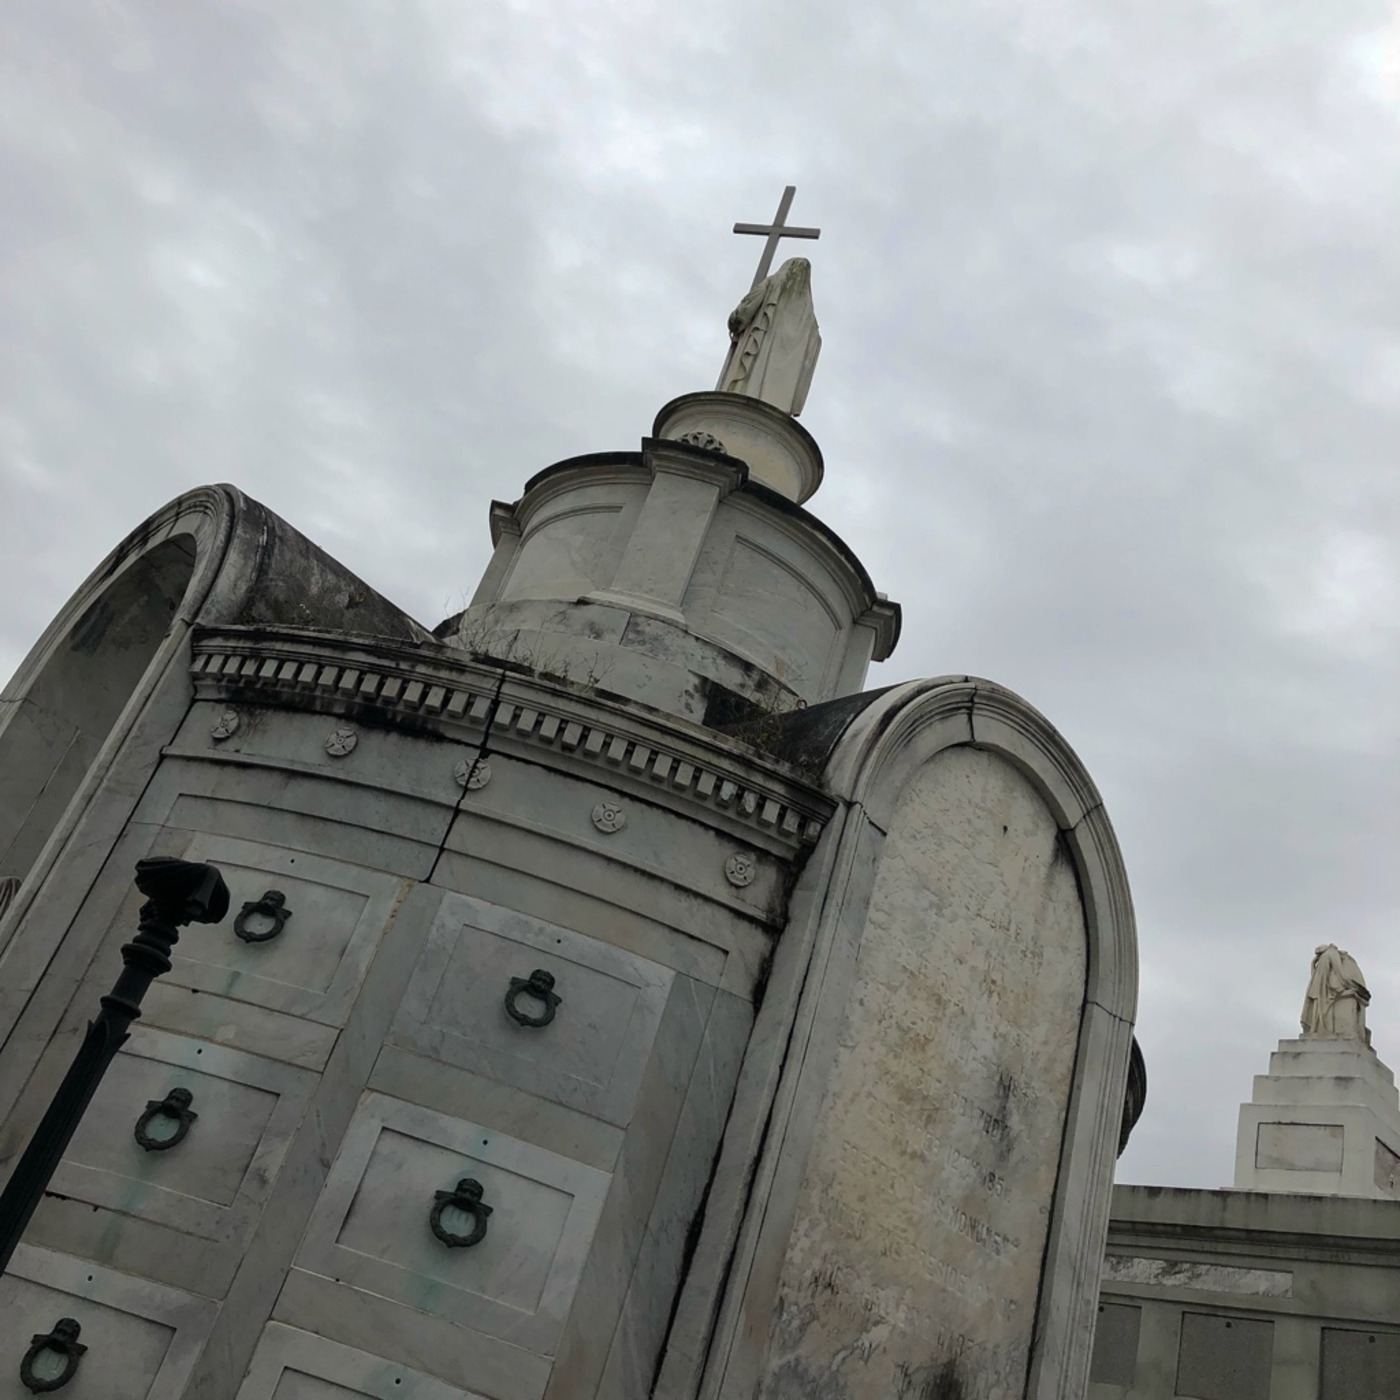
(774, 340)
(1337, 996)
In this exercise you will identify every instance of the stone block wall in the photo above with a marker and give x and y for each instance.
(1235, 1295)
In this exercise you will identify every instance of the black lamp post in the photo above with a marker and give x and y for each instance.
(177, 892)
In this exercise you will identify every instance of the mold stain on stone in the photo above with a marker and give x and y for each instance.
(947, 1382)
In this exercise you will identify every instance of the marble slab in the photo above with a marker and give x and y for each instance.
(592, 1053)
(371, 1227)
(213, 1182)
(142, 1338)
(290, 1364)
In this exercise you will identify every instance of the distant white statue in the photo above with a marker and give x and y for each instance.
(775, 340)
(1337, 996)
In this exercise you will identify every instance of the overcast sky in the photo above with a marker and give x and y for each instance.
(1109, 393)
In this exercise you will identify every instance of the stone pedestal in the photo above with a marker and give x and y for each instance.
(1325, 1121)
(779, 452)
(664, 577)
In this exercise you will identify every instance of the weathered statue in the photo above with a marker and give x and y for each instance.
(1337, 996)
(774, 340)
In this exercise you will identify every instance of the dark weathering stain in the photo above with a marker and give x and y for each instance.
(946, 1383)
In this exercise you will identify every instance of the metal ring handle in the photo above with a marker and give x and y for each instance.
(540, 985)
(465, 1196)
(62, 1341)
(273, 905)
(176, 1105)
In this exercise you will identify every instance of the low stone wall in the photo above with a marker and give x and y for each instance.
(1248, 1295)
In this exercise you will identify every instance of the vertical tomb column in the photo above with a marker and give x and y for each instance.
(687, 487)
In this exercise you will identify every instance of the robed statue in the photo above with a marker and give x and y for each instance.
(774, 340)
(1337, 996)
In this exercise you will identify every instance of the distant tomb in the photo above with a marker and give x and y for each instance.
(1325, 1120)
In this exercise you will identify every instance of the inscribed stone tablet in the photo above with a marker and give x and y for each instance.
(1299, 1147)
(915, 1261)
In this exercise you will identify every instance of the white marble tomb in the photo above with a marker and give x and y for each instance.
(820, 1091)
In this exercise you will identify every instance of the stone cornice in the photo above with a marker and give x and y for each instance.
(1187, 1243)
(727, 474)
(474, 702)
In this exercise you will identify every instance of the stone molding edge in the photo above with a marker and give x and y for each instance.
(670, 457)
(1316, 1243)
(298, 671)
(207, 516)
(886, 620)
(907, 723)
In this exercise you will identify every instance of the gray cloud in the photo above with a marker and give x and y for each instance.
(1108, 397)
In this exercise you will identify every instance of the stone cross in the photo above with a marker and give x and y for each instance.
(773, 232)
